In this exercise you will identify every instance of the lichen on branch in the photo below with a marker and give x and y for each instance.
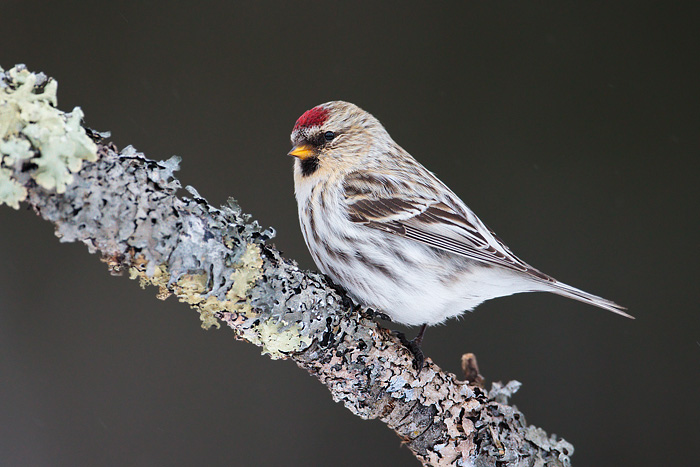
(33, 131)
(133, 211)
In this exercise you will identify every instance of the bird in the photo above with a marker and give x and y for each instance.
(392, 235)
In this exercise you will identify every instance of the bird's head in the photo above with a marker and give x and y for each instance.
(334, 136)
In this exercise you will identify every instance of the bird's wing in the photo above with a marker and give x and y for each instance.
(381, 202)
(443, 224)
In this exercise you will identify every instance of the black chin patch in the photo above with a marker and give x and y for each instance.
(309, 165)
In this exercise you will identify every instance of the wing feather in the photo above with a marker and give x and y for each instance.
(380, 201)
(447, 225)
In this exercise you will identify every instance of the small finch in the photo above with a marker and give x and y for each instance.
(396, 238)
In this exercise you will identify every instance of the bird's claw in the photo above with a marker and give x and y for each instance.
(412, 346)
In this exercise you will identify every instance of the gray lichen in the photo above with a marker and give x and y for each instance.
(217, 260)
(127, 207)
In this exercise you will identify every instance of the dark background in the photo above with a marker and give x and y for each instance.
(569, 128)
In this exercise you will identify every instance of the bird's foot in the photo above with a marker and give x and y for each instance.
(413, 346)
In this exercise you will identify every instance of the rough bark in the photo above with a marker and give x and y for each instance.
(127, 208)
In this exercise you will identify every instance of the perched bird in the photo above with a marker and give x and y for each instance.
(390, 233)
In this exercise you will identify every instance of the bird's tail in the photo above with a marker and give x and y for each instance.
(565, 290)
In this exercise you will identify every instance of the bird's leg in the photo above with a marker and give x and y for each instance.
(413, 346)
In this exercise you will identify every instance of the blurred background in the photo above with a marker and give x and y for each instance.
(571, 129)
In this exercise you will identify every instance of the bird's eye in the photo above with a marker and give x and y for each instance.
(329, 135)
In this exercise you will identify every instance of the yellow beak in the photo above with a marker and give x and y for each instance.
(302, 151)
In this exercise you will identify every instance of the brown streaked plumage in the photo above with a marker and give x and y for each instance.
(391, 233)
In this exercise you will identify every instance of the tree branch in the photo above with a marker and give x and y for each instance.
(127, 207)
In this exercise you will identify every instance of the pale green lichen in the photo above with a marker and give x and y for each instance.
(248, 270)
(32, 128)
(15, 149)
(190, 288)
(277, 338)
(64, 146)
(11, 192)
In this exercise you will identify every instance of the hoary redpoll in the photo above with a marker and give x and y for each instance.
(385, 229)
